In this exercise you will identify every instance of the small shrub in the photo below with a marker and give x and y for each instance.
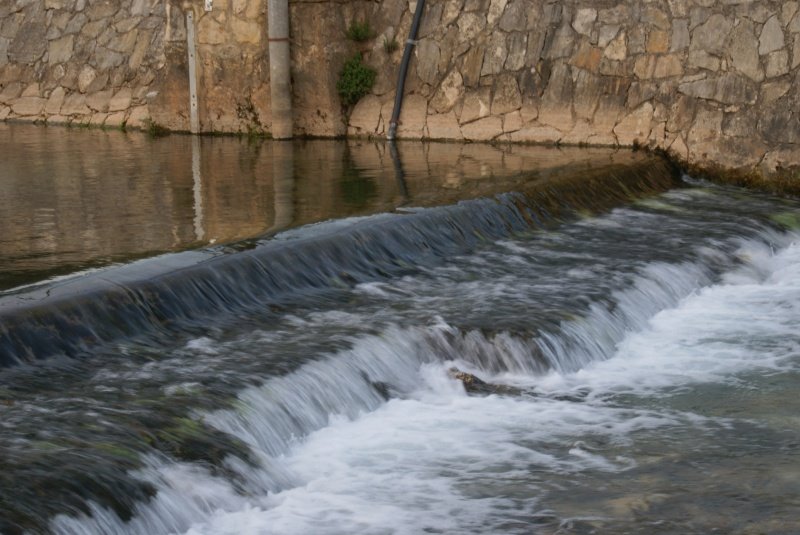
(355, 80)
(390, 46)
(359, 31)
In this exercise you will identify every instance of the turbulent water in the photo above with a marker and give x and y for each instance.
(653, 352)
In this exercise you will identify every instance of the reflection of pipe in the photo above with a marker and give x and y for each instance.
(283, 182)
(399, 174)
(280, 83)
(401, 79)
(197, 189)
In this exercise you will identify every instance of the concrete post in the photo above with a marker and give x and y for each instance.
(280, 83)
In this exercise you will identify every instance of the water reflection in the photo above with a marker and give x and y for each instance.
(72, 199)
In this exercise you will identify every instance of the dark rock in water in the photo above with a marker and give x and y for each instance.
(475, 385)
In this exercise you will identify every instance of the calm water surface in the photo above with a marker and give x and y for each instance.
(651, 352)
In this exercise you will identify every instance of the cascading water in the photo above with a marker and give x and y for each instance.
(302, 384)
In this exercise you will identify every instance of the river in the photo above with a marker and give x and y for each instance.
(279, 359)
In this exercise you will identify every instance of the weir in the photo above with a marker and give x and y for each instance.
(67, 319)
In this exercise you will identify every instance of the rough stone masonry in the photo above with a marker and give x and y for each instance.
(715, 82)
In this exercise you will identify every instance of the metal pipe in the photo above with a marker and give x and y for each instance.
(401, 79)
(280, 82)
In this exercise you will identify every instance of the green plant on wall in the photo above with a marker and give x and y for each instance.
(390, 45)
(359, 31)
(355, 80)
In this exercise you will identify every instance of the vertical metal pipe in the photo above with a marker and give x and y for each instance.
(280, 68)
(401, 79)
(194, 121)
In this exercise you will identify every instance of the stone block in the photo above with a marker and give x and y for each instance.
(29, 44)
(101, 9)
(4, 51)
(657, 42)
(788, 11)
(796, 52)
(472, 66)
(515, 17)
(477, 104)
(680, 35)
(105, 58)
(33, 90)
(124, 42)
(5, 111)
(28, 106)
(606, 33)
(116, 120)
(668, 66)
(140, 50)
(98, 119)
(75, 104)
(743, 48)
(772, 91)
(75, 24)
(729, 89)
(771, 38)
(700, 59)
(584, 20)
(517, 45)
(99, 101)
(777, 64)
(653, 16)
(138, 117)
(427, 53)
(449, 93)
(412, 117)
(706, 127)
(496, 55)
(53, 106)
(60, 50)
(470, 25)
(561, 44)
(496, 10)
(711, 36)
(444, 126)
(121, 100)
(587, 57)
(484, 129)
(366, 115)
(512, 122)
(794, 26)
(86, 76)
(636, 126)
(555, 109)
(617, 49)
(507, 96)
(537, 134)
(645, 67)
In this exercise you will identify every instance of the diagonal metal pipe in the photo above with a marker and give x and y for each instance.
(401, 79)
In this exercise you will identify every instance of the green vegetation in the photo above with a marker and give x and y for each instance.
(359, 31)
(390, 46)
(355, 80)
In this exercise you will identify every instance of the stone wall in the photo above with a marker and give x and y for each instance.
(716, 82)
(80, 61)
(712, 81)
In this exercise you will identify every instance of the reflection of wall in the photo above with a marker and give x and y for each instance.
(714, 81)
(88, 196)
